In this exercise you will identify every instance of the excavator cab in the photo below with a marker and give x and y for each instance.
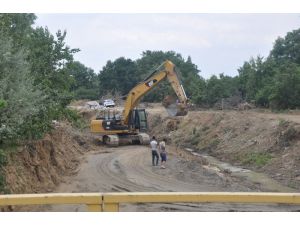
(138, 120)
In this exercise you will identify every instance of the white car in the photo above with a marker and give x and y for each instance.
(93, 105)
(109, 103)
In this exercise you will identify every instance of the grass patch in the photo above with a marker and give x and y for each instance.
(257, 159)
(208, 146)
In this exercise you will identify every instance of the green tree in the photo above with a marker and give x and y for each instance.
(287, 48)
(22, 100)
(285, 91)
(274, 81)
(86, 84)
(48, 57)
(118, 76)
(251, 77)
(220, 87)
(18, 27)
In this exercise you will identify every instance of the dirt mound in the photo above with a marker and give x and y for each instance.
(88, 114)
(243, 138)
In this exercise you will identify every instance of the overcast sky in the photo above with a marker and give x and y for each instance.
(216, 42)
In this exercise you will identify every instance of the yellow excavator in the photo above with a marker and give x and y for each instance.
(131, 126)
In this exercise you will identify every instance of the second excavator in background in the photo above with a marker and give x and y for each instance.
(131, 126)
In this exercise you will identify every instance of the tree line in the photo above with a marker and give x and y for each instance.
(272, 82)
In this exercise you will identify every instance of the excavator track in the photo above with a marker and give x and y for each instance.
(111, 140)
(144, 138)
(116, 140)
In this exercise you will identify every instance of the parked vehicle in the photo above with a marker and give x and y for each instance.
(93, 105)
(109, 103)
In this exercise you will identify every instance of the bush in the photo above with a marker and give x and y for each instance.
(3, 103)
(257, 159)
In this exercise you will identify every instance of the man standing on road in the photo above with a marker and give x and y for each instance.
(163, 153)
(154, 151)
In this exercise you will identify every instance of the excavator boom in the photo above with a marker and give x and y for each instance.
(165, 70)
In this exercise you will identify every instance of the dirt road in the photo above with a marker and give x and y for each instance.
(129, 169)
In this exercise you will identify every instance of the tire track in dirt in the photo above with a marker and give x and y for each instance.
(128, 168)
(137, 163)
(114, 175)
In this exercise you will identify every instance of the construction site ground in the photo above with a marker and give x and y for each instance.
(205, 153)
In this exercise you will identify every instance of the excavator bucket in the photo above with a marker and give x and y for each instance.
(173, 108)
(176, 110)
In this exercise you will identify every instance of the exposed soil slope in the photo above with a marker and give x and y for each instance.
(268, 143)
(39, 166)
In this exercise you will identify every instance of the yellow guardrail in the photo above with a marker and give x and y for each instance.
(109, 202)
(112, 200)
(92, 200)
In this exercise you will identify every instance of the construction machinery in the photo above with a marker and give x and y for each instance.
(131, 126)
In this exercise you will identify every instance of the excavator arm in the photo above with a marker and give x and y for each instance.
(166, 70)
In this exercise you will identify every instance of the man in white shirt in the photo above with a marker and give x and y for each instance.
(154, 151)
